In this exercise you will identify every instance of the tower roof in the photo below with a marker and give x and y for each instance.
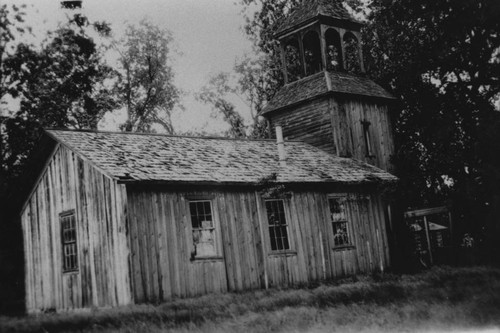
(323, 83)
(310, 10)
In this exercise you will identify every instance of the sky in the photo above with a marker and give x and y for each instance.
(208, 38)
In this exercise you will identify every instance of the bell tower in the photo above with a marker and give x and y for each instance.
(327, 100)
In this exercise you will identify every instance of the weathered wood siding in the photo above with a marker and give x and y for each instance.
(308, 122)
(161, 242)
(347, 118)
(334, 124)
(102, 279)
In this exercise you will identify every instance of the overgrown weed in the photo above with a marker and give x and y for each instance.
(442, 297)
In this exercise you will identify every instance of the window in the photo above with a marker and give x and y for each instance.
(338, 218)
(278, 227)
(202, 223)
(68, 239)
(366, 136)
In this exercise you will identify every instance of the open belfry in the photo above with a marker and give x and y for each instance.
(327, 101)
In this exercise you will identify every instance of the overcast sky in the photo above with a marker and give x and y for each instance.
(208, 34)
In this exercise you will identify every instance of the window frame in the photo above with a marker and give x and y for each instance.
(291, 249)
(215, 230)
(67, 244)
(345, 220)
(367, 138)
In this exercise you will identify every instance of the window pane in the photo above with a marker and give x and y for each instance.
(337, 209)
(284, 238)
(339, 221)
(273, 239)
(203, 231)
(278, 230)
(68, 242)
(340, 236)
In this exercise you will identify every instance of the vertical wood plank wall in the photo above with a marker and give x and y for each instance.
(334, 125)
(161, 242)
(351, 137)
(68, 183)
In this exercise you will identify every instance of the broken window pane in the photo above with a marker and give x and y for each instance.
(339, 221)
(203, 228)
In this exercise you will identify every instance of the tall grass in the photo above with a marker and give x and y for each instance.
(439, 299)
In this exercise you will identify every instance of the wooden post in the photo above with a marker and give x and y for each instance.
(264, 253)
(426, 225)
(342, 48)
(360, 52)
(283, 62)
(451, 229)
(322, 42)
(302, 55)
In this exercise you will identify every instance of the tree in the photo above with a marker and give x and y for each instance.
(11, 270)
(260, 27)
(11, 22)
(254, 81)
(215, 93)
(442, 60)
(248, 83)
(146, 81)
(62, 84)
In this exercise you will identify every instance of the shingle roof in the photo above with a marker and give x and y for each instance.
(322, 83)
(147, 157)
(310, 9)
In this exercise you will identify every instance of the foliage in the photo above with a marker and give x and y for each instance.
(249, 84)
(439, 299)
(62, 84)
(146, 78)
(214, 93)
(11, 22)
(255, 81)
(260, 26)
(442, 61)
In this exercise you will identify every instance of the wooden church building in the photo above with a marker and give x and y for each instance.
(123, 218)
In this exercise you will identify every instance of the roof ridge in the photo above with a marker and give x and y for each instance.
(164, 135)
(310, 10)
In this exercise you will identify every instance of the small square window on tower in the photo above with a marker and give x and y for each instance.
(367, 138)
(69, 241)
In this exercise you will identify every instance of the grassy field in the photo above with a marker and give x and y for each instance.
(441, 299)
